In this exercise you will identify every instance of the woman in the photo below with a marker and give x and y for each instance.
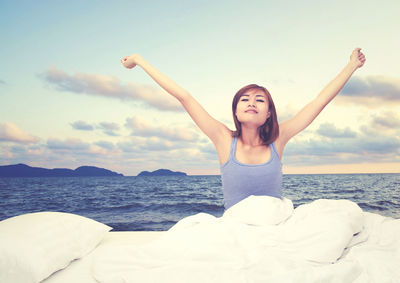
(250, 156)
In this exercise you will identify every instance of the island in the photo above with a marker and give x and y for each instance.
(162, 172)
(23, 170)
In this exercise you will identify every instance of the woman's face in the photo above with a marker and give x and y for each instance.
(253, 108)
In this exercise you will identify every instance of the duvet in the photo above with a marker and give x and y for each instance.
(263, 239)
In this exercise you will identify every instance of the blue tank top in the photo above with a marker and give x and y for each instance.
(241, 180)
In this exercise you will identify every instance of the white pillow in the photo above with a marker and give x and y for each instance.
(35, 245)
(260, 210)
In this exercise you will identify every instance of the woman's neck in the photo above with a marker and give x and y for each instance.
(250, 136)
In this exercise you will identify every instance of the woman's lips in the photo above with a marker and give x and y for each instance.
(251, 111)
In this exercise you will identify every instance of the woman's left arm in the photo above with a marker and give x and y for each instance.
(302, 119)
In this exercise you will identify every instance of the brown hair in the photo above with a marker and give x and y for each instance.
(268, 131)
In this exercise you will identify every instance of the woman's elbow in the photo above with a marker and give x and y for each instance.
(184, 96)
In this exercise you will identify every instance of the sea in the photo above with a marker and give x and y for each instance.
(157, 203)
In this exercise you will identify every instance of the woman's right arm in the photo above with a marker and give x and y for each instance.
(215, 130)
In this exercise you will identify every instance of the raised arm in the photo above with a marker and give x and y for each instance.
(302, 119)
(210, 126)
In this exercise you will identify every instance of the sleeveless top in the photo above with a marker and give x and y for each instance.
(241, 180)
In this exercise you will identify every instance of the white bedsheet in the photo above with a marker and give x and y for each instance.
(324, 241)
(80, 271)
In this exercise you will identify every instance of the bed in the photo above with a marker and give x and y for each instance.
(80, 270)
(261, 239)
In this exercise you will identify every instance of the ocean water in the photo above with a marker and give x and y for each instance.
(157, 203)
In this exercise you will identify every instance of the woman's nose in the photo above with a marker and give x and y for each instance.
(251, 103)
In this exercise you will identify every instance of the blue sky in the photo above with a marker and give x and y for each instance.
(65, 100)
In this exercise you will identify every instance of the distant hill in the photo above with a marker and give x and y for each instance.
(23, 170)
(162, 172)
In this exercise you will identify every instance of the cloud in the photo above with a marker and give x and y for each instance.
(141, 146)
(372, 90)
(388, 120)
(82, 125)
(380, 145)
(374, 142)
(68, 153)
(362, 148)
(2, 82)
(208, 148)
(9, 132)
(79, 149)
(21, 153)
(105, 144)
(143, 127)
(156, 150)
(128, 146)
(36, 150)
(385, 124)
(329, 130)
(109, 86)
(68, 144)
(323, 153)
(286, 112)
(109, 128)
(156, 144)
(155, 153)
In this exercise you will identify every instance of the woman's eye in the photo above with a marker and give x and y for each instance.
(260, 100)
(244, 99)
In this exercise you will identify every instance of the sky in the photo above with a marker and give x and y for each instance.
(66, 101)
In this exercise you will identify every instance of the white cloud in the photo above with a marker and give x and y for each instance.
(82, 125)
(372, 90)
(67, 144)
(331, 131)
(97, 150)
(143, 127)
(109, 128)
(80, 150)
(105, 144)
(387, 120)
(109, 86)
(286, 112)
(148, 146)
(156, 144)
(9, 132)
(343, 146)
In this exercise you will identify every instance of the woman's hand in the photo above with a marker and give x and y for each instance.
(357, 58)
(130, 61)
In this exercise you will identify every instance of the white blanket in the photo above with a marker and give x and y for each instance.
(263, 239)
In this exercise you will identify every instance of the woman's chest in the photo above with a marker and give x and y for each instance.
(255, 155)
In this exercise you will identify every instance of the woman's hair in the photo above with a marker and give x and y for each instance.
(268, 131)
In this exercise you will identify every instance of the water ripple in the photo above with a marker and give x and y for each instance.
(143, 203)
